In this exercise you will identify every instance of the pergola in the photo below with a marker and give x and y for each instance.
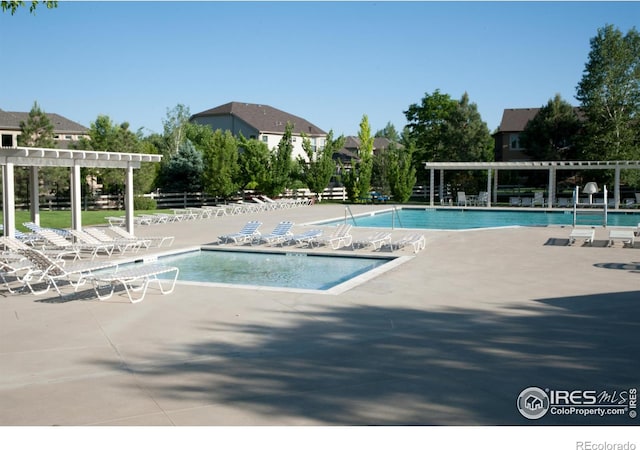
(552, 167)
(74, 159)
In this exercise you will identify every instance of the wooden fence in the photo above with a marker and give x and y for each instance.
(169, 200)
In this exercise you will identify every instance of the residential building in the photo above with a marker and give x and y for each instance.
(350, 150)
(507, 138)
(65, 131)
(261, 122)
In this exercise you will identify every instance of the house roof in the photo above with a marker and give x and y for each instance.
(10, 120)
(263, 118)
(379, 143)
(515, 119)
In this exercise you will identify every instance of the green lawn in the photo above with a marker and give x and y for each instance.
(62, 219)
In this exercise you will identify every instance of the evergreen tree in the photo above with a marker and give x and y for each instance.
(183, 172)
(37, 131)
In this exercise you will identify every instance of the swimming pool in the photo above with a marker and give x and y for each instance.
(460, 219)
(293, 271)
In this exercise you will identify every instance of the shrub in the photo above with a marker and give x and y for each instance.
(144, 203)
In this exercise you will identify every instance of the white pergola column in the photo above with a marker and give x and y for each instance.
(431, 186)
(9, 203)
(34, 195)
(442, 186)
(76, 198)
(489, 190)
(616, 187)
(495, 186)
(128, 199)
(552, 187)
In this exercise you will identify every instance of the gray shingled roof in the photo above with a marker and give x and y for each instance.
(10, 120)
(264, 118)
(516, 119)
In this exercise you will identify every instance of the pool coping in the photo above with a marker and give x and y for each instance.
(393, 262)
(327, 222)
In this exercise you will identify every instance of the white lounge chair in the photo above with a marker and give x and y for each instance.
(515, 201)
(538, 199)
(626, 236)
(121, 244)
(462, 199)
(341, 237)
(86, 239)
(247, 234)
(147, 241)
(14, 245)
(135, 281)
(280, 234)
(14, 272)
(56, 242)
(588, 234)
(417, 241)
(49, 271)
(306, 239)
(376, 240)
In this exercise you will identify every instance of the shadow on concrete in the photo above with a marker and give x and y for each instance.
(351, 365)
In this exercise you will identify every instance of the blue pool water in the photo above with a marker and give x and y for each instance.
(283, 270)
(459, 219)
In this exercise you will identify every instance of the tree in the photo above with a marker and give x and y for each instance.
(106, 136)
(220, 164)
(13, 5)
(389, 132)
(426, 125)
(183, 172)
(609, 92)
(319, 166)
(176, 125)
(465, 137)
(551, 135)
(37, 131)
(400, 171)
(253, 161)
(357, 179)
(280, 164)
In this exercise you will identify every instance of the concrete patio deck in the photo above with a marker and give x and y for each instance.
(450, 337)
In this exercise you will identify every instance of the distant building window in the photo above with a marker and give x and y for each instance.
(7, 140)
(265, 138)
(514, 142)
(68, 137)
(293, 139)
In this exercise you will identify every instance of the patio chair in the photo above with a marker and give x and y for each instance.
(121, 244)
(526, 201)
(86, 239)
(538, 199)
(146, 241)
(417, 241)
(56, 242)
(279, 235)
(14, 245)
(247, 234)
(462, 199)
(588, 234)
(483, 198)
(341, 237)
(50, 271)
(376, 240)
(14, 272)
(135, 281)
(515, 201)
(307, 238)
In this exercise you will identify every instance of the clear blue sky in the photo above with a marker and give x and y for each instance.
(329, 62)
